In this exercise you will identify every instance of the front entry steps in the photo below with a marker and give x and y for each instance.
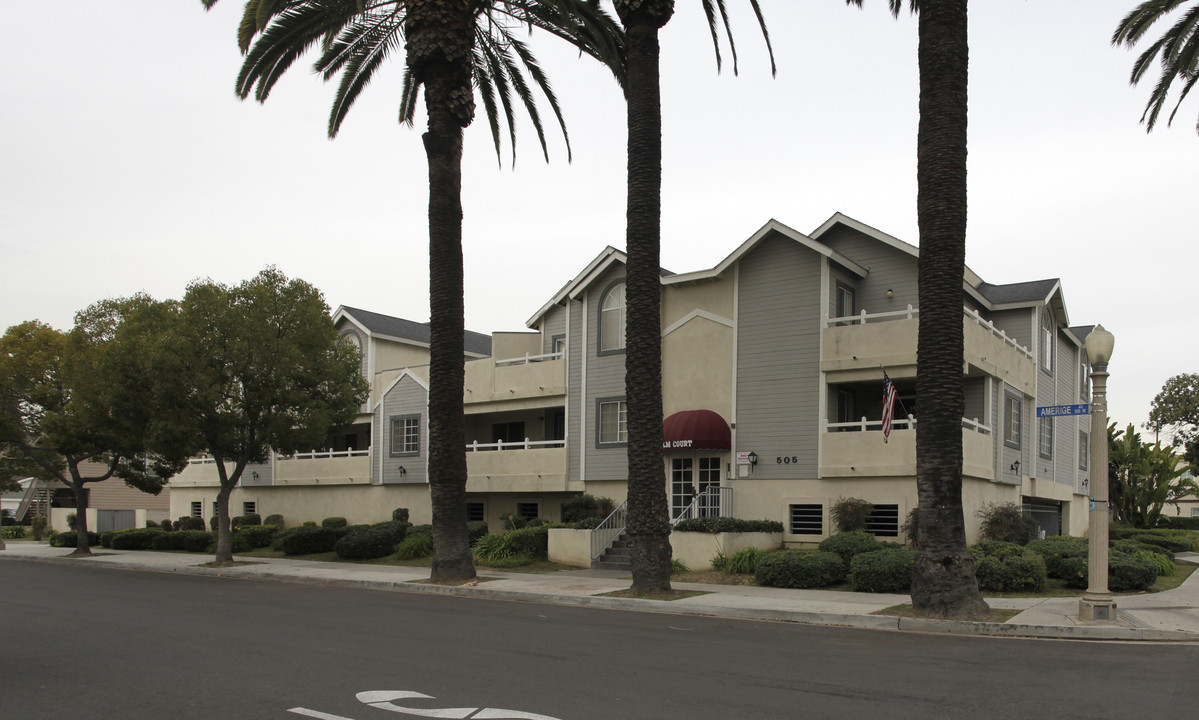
(616, 557)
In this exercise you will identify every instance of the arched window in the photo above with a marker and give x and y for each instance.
(612, 319)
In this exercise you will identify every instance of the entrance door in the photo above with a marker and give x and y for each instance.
(694, 480)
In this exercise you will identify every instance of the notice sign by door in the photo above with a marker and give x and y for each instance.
(743, 458)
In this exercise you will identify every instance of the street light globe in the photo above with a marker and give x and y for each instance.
(1099, 346)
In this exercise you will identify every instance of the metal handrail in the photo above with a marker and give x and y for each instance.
(723, 506)
(607, 531)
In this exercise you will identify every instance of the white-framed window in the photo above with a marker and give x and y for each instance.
(1084, 379)
(1047, 335)
(558, 345)
(1194, 512)
(1013, 419)
(612, 319)
(405, 435)
(1084, 449)
(197, 508)
(1045, 446)
(846, 301)
(249, 507)
(613, 425)
(807, 519)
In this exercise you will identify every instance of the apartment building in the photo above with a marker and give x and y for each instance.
(773, 366)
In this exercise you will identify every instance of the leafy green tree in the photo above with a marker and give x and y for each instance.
(1176, 410)
(944, 583)
(258, 368)
(78, 407)
(1178, 48)
(451, 47)
(649, 515)
(1142, 478)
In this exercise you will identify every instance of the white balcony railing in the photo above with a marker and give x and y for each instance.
(310, 455)
(909, 313)
(525, 444)
(529, 358)
(909, 422)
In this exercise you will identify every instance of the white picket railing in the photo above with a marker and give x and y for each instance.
(907, 314)
(525, 444)
(529, 358)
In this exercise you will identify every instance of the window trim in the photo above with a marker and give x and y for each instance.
(1043, 425)
(1084, 450)
(197, 508)
(600, 350)
(1048, 335)
(816, 524)
(554, 343)
(846, 289)
(621, 401)
(1018, 403)
(391, 437)
(249, 507)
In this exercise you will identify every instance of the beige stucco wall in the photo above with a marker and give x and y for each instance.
(570, 547)
(697, 356)
(696, 550)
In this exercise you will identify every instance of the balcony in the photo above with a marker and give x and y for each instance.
(527, 467)
(317, 467)
(854, 450)
(859, 343)
(518, 382)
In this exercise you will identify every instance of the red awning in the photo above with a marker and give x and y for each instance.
(696, 430)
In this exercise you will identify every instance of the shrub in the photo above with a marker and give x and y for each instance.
(1130, 573)
(167, 526)
(334, 522)
(39, 526)
(137, 539)
(586, 506)
(475, 530)
(727, 525)
(1181, 523)
(415, 546)
(530, 541)
(1007, 522)
(167, 541)
(275, 519)
(67, 539)
(244, 520)
(309, 540)
(883, 571)
(1011, 573)
(191, 523)
(397, 530)
(420, 530)
(400, 515)
(213, 525)
(744, 562)
(71, 521)
(849, 514)
(106, 538)
(799, 569)
(1132, 547)
(309, 523)
(258, 536)
(196, 541)
(911, 527)
(12, 532)
(996, 548)
(1165, 566)
(1057, 550)
(1164, 540)
(678, 566)
(848, 544)
(373, 542)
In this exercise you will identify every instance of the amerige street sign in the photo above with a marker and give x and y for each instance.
(1063, 410)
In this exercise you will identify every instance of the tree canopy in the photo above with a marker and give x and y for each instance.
(1142, 478)
(257, 367)
(1176, 410)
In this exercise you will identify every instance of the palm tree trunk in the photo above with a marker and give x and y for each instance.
(648, 520)
(944, 584)
(440, 41)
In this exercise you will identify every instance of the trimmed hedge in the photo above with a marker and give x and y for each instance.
(476, 529)
(196, 541)
(309, 541)
(138, 539)
(191, 523)
(334, 522)
(883, 571)
(69, 538)
(275, 519)
(727, 525)
(257, 536)
(1059, 549)
(997, 549)
(1011, 573)
(846, 545)
(799, 569)
(241, 521)
(1125, 573)
(1181, 523)
(373, 542)
(399, 515)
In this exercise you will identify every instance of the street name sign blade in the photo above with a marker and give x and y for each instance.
(1063, 410)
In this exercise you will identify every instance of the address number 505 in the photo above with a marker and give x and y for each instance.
(785, 460)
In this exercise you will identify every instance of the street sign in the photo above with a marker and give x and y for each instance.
(1063, 410)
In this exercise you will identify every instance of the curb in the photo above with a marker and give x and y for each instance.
(669, 607)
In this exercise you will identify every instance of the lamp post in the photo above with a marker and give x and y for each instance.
(1097, 603)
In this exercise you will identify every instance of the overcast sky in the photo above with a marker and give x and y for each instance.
(128, 164)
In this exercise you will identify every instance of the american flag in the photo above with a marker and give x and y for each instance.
(889, 396)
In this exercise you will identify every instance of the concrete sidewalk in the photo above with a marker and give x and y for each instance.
(1172, 615)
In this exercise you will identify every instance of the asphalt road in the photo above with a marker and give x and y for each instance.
(82, 642)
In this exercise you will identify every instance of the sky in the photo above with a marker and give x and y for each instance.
(128, 164)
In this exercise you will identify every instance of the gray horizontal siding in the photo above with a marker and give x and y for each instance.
(890, 269)
(406, 398)
(605, 379)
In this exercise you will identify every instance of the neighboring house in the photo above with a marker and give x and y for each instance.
(772, 376)
(112, 505)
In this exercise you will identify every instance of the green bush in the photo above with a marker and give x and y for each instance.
(137, 539)
(1006, 521)
(586, 506)
(848, 544)
(1181, 523)
(420, 530)
(67, 539)
(996, 548)
(196, 541)
(1011, 573)
(415, 546)
(106, 538)
(397, 530)
(309, 523)
(883, 571)
(1165, 566)
(1057, 550)
(727, 525)
(275, 519)
(334, 522)
(1125, 572)
(241, 521)
(257, 536)
(71, 522)
(12, 532)
(38, 525)
(213, 523)
(366, 544)
(167, 526)
(1163, 540)
(799, 569)
(309, 541)
(475, 530)
(530, 541)
(744, 562)
(1132, 547)
(166, 541)
(191, 523)
(911, 527)
(400, 515)
(850, 514)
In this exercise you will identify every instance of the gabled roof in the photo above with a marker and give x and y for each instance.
(1022, 292)
(394, 328)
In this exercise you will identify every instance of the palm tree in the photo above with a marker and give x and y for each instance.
(944, 583)
(1178, 46)
(648, 527)
(451, 45)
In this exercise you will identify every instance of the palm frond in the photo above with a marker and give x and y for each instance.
(717, 13)
(1177, 53)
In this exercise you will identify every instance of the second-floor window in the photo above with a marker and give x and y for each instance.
(1045, 447)
(612, 319)
(405, 435)
(1013, 419)
(846, 305)
(1047, 334)
(1084, 450)
(613, 422)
